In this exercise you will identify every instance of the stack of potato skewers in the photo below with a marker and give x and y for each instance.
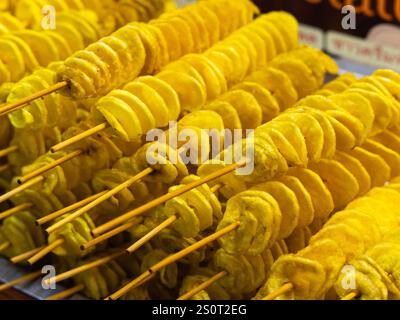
(351, 145)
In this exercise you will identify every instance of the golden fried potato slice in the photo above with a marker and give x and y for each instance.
(353, 124)
(30, 60)
(357, 170)
(150, 92)
(390, 156)
(121, 118)
(358, 106)
(357, 220)
(349, 240)
(310, 129)
(382, 107)
(389, 139)
(306, 213)
(256, 211)
(227, 112)
(278, 83)
(320, 194)
(288, 139)
(307, 276)
(12, 58)
(377, 168)
(342, 185)
(246, 105)
(299, 73)
(268, 104)
(288, 205)
(330, 255)
(171, 37)
(192, 95)
(296, 241)
(211, 80)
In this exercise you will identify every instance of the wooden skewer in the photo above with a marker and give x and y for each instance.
(154, 203)
(4, 168)
(108, 235)
(49, 166)
(4, 246)
(144, 279)
(70, 208)
(282, 290)
(19, 189)
(26, 278)
(15, 210)
(85, 267)
(165, 224)
(173, 258)
(99, 200)
(350, 296)
(25, 256)
(45, 251)
(67, 293)
(151, 234)
(202, 286)
(7, 151)
(79, 137)
(25, 101)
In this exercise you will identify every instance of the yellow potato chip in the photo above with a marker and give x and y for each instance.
(310, 129)
(278, 83)
(387, 73)
(159, 89)
(62, 45)
(377, 168)
(42, 46)
(306, 275)
(389, 139)
(357, 169)
(299, 73)
(12, 58)
(185, 67)
(238, 67)
(336, 86)
(88, 32)
(121, 118)
(358, 106)
(222, 62)
(267, 39)
(202, 34)
(246, 105)
(349, 240)
(296, 241)
(330, 255)
(351, 123)
(329, 148)
(212, 81)
(139, 107)
(192, 95)
(342, 185)
(361, 222)
(30, 60)
(288, 205)
(391, 157)
(268, 104)
(382, 109)
(163, 54)
(259, 46)
(172, 38)
(288, 25)
(306, 214)
(227, 112)
(320, 194)
(279, 41)
(185, 35)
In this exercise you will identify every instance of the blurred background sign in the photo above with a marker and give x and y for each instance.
(374, 40)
